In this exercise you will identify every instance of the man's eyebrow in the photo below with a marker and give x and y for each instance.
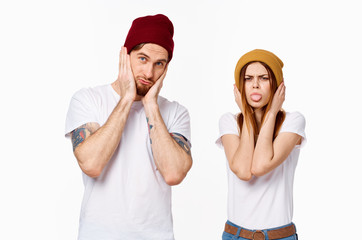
(162, 60)
(143, 54)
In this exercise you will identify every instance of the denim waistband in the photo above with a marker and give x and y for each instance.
(265, 231)
(268, 229)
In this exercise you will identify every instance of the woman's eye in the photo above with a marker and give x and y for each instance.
(247, 79)
(265, 78)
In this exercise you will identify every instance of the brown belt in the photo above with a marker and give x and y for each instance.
(260, 235)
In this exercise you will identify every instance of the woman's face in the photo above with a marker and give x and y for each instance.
(257, 85)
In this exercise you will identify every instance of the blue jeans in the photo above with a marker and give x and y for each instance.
(228, 236)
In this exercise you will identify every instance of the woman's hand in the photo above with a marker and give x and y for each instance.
(238, 99)
(278, 99)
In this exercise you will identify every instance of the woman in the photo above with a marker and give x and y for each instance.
(262, 145)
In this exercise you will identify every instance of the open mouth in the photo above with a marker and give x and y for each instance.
(255, 97)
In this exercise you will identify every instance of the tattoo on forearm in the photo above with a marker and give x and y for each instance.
(78, 137)
(182, 141)
(150, 126)
(80, 134)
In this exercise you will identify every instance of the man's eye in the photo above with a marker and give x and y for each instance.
(142, 58)
(159, 64)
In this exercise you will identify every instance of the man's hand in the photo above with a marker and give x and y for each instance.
(125, 79)
(278, 99)
(151, 96)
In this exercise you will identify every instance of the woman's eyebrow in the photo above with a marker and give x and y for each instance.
(258, 75)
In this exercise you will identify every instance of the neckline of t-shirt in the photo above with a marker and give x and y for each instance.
(135, 104)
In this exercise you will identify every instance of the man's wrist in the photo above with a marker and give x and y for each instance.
(127, 99)
(151, 106)
(124, 103)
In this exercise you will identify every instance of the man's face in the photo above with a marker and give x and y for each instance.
(148, 64)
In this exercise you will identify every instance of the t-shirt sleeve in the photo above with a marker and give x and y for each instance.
(227, 125)
(82, 110)
(181, 122)
(295, 122)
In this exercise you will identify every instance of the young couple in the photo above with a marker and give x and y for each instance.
(133, 145)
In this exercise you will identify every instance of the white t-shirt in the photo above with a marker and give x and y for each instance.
(130, 199)
(267, 201)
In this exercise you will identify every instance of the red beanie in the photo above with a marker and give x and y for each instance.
(156, 29)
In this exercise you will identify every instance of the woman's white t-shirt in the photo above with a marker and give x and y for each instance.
(266, 201)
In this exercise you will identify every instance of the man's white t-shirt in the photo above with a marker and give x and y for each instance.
(130, 199)
(267, 201)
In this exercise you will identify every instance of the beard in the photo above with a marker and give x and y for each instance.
(142, 89)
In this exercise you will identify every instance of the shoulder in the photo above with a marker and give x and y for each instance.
(228, 124)
(91, 92)
(173, 106)
(294, 122)
(295, 118)
(228, 118)
(92, 95)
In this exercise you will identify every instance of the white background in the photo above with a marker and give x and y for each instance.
(50, 49)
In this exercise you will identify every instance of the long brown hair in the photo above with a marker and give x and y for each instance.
(249, 113)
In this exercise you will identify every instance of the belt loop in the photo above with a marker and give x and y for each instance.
(238, 232)
(294, 227)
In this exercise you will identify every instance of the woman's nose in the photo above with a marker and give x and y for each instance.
(255, 83)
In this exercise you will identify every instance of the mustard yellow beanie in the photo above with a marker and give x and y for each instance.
(259, 55)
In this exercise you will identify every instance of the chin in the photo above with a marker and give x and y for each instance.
(257, 105)
(142, 91)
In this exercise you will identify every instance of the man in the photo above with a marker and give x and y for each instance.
(131, 143)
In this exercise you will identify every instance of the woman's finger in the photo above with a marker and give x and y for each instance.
(279, 90)
(282, 92)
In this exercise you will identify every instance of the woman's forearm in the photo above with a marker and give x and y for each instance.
(264, 152)
(241, 162)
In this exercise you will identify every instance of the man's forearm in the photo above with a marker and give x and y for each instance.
(96, 150)
(172, 160)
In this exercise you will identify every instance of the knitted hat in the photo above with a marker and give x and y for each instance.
(259, 55)
(156, 29)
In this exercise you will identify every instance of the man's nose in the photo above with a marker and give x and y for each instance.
(148, 71)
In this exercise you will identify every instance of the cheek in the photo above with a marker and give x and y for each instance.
(136, 68)
(267, 97)
(266, 89)
(158, 73)
(248, 88)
